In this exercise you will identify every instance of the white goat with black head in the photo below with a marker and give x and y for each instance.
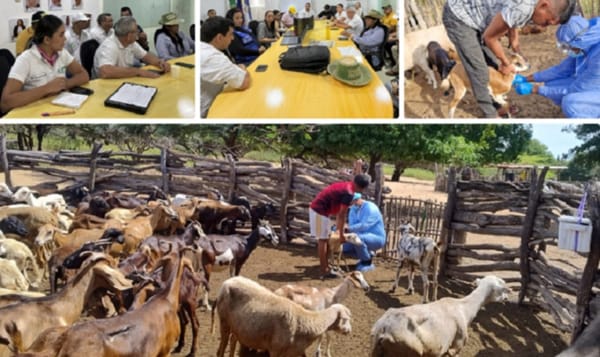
(417, 252)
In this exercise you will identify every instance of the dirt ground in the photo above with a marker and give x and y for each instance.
(499, 329)
(422, 101)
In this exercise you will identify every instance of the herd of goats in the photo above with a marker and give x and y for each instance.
(126, 274)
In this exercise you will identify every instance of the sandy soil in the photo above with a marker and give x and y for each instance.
(498, 330)
(422, 101)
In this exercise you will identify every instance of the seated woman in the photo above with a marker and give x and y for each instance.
(267, 33)
(366, 221)
(170, 42)
(371, 39)
(44, 69)
(244, 48)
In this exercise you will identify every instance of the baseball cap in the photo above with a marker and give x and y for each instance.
(37, 16)
(80, 16)
(356, 196)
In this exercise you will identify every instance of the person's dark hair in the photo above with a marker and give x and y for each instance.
(209, 10)
(175, 38)
(214, 26)
(47, 26)
(567, 6)
(102, 17)
(276, 12)
(272, 26)
(231, 12)
(127, 8)
(362, 180)
(341, 5)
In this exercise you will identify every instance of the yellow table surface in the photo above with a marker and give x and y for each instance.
(276, 93)
(174, 98)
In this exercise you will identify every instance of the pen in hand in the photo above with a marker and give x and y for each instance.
(60, 112)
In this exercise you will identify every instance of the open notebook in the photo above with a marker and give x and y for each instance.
(70, 100)
(132, 97)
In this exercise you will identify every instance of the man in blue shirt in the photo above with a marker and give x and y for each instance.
(366, 221)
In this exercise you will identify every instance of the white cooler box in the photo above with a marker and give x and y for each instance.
(574, 236)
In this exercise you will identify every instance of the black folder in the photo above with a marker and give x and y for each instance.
(132, 97)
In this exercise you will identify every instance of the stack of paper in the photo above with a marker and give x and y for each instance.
(71, 100)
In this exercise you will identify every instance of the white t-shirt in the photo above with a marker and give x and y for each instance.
(98, 34)
(356, 25)
(111, 52)
(341, 15)
(304, 14)
(74, 42)
(33, 71)
(217, 72)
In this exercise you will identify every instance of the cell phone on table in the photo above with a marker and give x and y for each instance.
(81, 90)
(261, 68)
(183, 64)
(159, 72)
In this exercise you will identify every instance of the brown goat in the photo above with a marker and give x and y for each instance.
(150, 330)
(61, 309)
(212, 213)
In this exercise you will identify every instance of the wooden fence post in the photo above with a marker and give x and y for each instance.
(4, 158)
(285, 197)
(591, 267)
(232, 178)
(445, 237)
(379, 182)
(94, 157)
(164, 153)
(535, 192)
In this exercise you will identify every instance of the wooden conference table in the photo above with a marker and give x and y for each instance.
(276, 93)
(174, 98)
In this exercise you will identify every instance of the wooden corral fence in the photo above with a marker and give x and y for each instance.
(290, 186)
(528, 212)
(425, 215)
(421, 14)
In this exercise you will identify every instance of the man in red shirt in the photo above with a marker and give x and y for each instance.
(333, 200)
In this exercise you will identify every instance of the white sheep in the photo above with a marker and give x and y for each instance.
(24, 194)
(317, 299)
(11, 277)
(334, 248)
(22, 255)
(417, 252)
(262, 320)
(433, 329)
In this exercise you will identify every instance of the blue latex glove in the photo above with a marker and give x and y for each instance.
(524, 88)
(519, 79)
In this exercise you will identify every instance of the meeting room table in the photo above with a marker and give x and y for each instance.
(276, 93)
(174, 98)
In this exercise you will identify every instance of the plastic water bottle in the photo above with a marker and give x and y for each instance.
(327, 31)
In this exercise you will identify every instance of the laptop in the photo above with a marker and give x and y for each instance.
(300, 28)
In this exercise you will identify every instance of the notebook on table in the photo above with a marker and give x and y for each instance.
(132, 97)
(70, 100)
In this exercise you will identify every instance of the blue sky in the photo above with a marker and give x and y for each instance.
(551, 135)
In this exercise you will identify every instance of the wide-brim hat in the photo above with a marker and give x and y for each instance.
(170, 18)
(374, 14)
(349, 71)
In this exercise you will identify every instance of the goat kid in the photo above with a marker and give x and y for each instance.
(334, 249)
(438, 57)
(417, 252)
(499, 84)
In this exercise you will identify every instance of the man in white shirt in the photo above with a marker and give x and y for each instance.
(55, 5)
(115, 57)
(307, 12)
(77, 33)
(104, 28)
(353, 24)
(217, 72)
